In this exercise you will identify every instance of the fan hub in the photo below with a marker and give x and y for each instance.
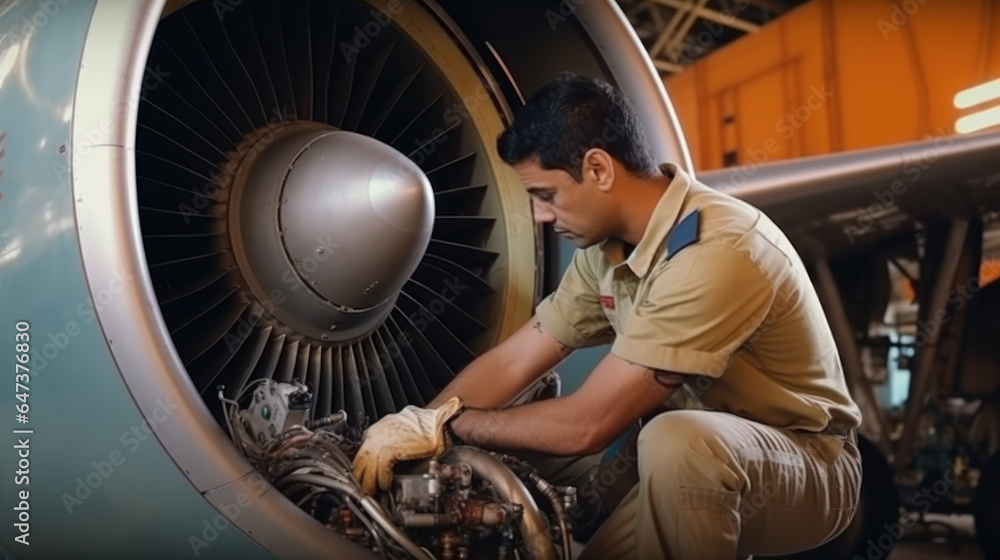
(327, 226)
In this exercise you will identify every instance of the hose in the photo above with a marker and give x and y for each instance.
(532, 525)
(372, 508)
(369, 505)
(550, 492)
(318, 480)
(371, 529)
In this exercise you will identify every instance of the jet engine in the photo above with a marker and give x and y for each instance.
(199, 199)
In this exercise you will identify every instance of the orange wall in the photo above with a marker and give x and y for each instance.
(838, 75)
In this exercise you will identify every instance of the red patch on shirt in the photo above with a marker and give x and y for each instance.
(607, 302)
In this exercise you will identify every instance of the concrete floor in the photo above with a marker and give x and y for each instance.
(919, 545)
(928, 551)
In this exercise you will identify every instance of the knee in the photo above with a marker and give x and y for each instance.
(683, 447)
(680, 432)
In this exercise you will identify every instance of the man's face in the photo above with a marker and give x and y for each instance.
(577, 211)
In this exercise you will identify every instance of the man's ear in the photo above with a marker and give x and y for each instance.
(598, 166)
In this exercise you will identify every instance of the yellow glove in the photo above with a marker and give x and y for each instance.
(411, 433)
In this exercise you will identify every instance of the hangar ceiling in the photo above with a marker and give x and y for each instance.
(678, 32)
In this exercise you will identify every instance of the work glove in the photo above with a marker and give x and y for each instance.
(412, 433)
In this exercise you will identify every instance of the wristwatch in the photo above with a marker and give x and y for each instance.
(449, 432)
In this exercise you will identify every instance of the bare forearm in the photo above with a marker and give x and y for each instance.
(496, 377)
(615, 395)
(488, 382)
(548, 426)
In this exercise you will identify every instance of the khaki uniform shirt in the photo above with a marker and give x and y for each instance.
(730, 306)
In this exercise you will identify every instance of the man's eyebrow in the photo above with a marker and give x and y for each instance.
(541, 189)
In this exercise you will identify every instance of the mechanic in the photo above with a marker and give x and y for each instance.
(695, 289)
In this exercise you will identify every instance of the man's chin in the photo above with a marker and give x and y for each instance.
(580, 242)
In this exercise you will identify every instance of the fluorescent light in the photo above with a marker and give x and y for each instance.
(978, 121)
(978, 94)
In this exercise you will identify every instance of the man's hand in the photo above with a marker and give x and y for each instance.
(412, 433)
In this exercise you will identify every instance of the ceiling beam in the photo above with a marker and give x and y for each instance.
(675, 42)
(729, 19)
(682, 8)
(664, 66)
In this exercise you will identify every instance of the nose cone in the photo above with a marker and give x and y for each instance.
(327, 226)
(356, 217)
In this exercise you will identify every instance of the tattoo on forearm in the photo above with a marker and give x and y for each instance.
(564, 349)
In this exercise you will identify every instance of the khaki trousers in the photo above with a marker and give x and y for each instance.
(715, 486)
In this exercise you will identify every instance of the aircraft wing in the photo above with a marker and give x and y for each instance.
(847, 201)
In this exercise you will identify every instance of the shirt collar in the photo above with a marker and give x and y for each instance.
(664, 216)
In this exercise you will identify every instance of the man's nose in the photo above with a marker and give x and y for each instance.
(542, 213)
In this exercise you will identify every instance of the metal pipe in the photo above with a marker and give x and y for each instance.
(412, 519)
(552, 493)
(375, 510)
(927, 354)
(318, 480)
(290, 443)
(371, 529)
(335, 418)
(850, 356)
(369, 505)
(534, 530)
(324, 468)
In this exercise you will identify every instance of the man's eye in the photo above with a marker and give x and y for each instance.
(544, 197)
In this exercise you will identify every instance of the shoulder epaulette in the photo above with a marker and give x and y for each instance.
(685, 233)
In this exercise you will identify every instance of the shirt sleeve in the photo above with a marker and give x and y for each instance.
(573, 312)
(701, 307)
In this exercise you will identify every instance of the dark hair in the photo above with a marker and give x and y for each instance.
(571, 115)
